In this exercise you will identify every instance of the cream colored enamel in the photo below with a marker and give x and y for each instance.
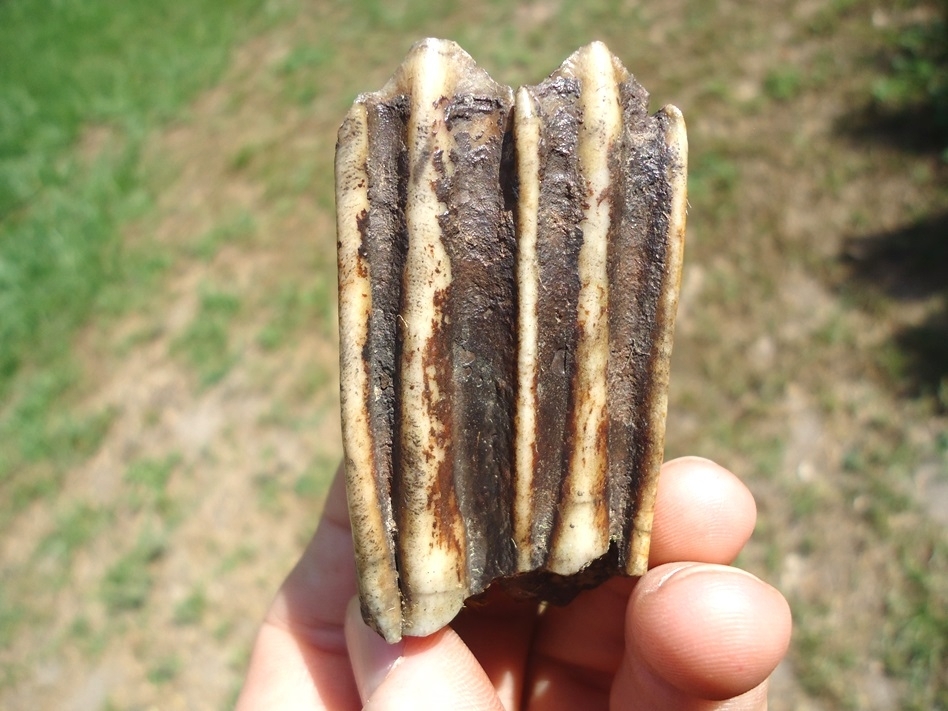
(676, 139)
(374, 548)
(527, 137)
(432, 569)
(583, 532)
(585, 535)
(428, 612)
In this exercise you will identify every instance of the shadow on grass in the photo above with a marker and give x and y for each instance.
(907, 107)
(919, 127)
(910, 264)
(907, 110)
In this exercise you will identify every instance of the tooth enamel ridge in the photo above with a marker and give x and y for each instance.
(508, 280)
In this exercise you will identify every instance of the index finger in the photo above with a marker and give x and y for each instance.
(703, 513)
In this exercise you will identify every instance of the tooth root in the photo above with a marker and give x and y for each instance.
(441, 332)
(508, 287)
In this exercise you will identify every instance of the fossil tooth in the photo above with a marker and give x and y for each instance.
(508, 280)
(600, 235)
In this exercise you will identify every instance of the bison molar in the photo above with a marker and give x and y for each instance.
(508, 278)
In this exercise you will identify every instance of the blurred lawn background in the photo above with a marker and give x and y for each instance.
(168, 383)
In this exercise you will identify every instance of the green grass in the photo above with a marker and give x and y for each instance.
(90, 640)
(74, 529)
(299, 74)
(82, 82)
(243, 555)
(147, 483)
(919, 642)
(783, 83)
(270, 488)
(315, 480)
(11, 616)
(65, 69)
(205, 344)
(191, 610)
(35, 430)
(236, 229)
(291, 308)
(917, 72)
(152, 474)
(287, 313)
(713, 182)
(128, 582)
(165, 670)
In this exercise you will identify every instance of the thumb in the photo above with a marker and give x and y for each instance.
(701, 632)
(418, 673)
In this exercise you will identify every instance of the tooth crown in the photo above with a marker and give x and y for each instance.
(508, 276)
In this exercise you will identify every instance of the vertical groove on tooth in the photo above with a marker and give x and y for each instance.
(365, 438)
(527, 138)
(438, 338)
(431, 555)
(481, 346)
(606, 241)
(555, 118)
(644, 265)
(582, 533)
(662, 187)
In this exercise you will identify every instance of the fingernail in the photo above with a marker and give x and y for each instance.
(682, 571)
(371, 657)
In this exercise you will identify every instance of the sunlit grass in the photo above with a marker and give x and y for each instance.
(82, 69)
(205, 344)
(128, 582)
(81, 85)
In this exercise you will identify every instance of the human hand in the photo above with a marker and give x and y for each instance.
(687, 635)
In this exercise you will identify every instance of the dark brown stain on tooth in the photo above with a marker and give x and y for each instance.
(638, 276)
(384, 245)
(442, 499)
(479, 240)
(631, 314)
(438, 401)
